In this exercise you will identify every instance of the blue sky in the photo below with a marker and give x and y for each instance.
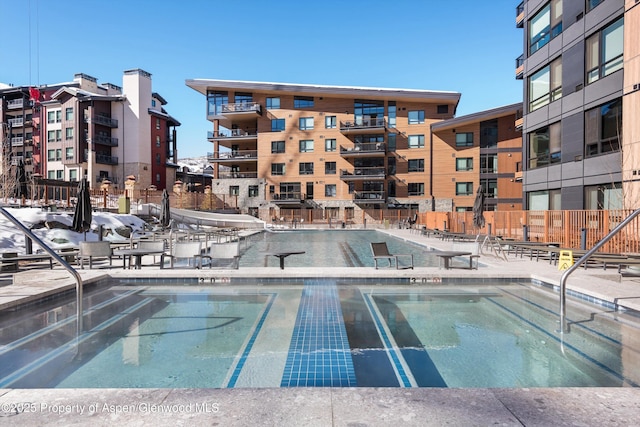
(465, 46)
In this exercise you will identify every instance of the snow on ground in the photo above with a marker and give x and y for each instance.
(12, 238)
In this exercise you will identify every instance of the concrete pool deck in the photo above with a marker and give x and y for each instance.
(331, 406)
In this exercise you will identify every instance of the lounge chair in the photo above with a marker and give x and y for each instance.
(92, 250)
(150, 245)
(225, 254)
(190, 251)
(381, 252)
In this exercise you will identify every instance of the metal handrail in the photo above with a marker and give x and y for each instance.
(563, 280)
(58, 258)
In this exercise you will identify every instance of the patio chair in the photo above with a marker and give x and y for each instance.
(381, 252)
(150, 245)
(191, 251)
(225, 254)
(92, 250)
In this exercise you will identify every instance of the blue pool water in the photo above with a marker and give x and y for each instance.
(329, 248)
(317, 333)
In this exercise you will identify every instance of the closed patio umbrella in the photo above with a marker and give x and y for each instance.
(83, 213)
(478, 208)
(21, 181)
(165, 211)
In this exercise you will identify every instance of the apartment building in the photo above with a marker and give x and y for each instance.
(102, 132)
(581, 74)
(483, 148)
(334, 148)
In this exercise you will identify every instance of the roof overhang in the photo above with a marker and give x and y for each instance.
(477, 117)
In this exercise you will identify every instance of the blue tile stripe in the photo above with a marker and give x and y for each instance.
(247, 349)
(319, 353)
(389, 347)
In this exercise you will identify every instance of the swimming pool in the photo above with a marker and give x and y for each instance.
(316, 333)
(328, 248)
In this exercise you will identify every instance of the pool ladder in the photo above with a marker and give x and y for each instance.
(58, 258)
(564, 327)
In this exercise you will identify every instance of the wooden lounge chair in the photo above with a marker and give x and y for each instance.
(190, 251)
(381, 252)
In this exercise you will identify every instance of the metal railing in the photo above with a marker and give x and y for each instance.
(564, 327)
(59, 259)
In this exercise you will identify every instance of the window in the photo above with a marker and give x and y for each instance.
(593, 3)
(153, 103)
(416, 117)
(391, 142)
(59, 135)
(544, 200)
(545, 146)
(51, 116)
(60, 174)
(330, 122)
(464, 164)
(306, 145)
(415, 188)
(68, 114)
(330, 144)
(490, 187)
(368, 113)
(416, 165)
(277, 125)
(73, 174)
(391, 113)
(464, 139)
(545, 25)
(488, 163)
(277, 169)
(330, 168)
(51, 174)
(234, 190)
(68, 153)
(51, 155)
(157, 140)
(303, 101)
(273, 103)
(157, 177)
(277, 146)
(254, 190)
(605, 196)
(603, 128)
(443, 109)
(68, 133)
(157, 123)
(464, 188)
(51, 136)
(489, 133)
(306, 168)
(416, 141)
(545, 85)
(604, 51)
(58, 154)
(158, 160)
(305, 123)
(330, 190)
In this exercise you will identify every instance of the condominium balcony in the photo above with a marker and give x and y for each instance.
(233, 156)
(16, 123)
(288, 197)
(106, 159)
(363, 174)
(17, 141)
(104, 140)
(102, 120)
(520, 67)
(16, 103)
(237, 175)
(238, 110)
(520, 15)
(367, 149)
(233, 135)
(364, 125)
(369, 197)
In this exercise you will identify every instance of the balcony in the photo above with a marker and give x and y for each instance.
(16, 160)
(363, 174)
(17, 141)
(104, 140)
(237, 175)
(519, 67)
(16, 103)
(238, 110)
(367, 149)
(369, 197)
(233, 156)
(364, 125)
(288, 198)
(520, 15)
(16, 123)
(106, 159)
(233, 134)
(102, 120)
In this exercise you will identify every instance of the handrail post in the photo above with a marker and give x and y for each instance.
(563, 279)
(58, 258)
